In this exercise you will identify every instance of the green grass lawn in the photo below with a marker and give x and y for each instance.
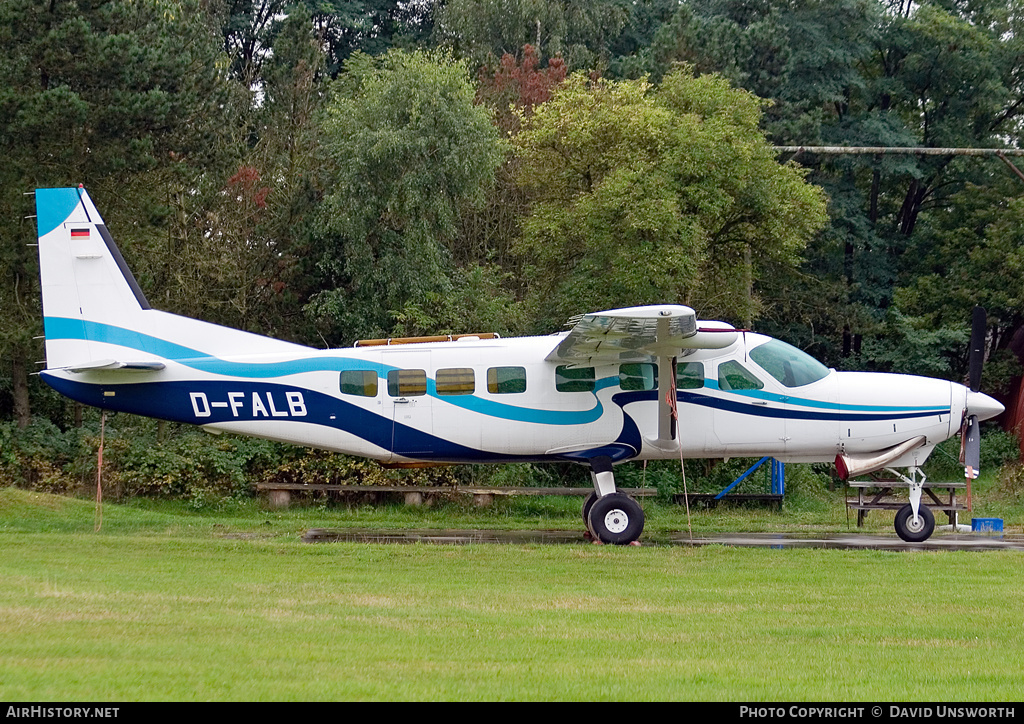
(168, 604)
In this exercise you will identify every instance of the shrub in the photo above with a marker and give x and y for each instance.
(1011, 483)
(998, 448)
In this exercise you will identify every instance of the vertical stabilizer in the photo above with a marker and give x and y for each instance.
(93, 309)
(85, 282)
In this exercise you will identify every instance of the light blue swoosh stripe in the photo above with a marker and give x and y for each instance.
(63, 328)
(527, 414)
(818, 404)
(53, 207)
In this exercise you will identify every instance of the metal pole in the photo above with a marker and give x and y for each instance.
(920, 151)
(1000, 153)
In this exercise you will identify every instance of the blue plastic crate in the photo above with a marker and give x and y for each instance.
(986, 525)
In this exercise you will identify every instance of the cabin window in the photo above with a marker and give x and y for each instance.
(407, 383)
(455, 381)
(642, 376)
(732, 377)
(359, 382)
(506, 380)
(574, 379)
(789, 365)
(689, 375)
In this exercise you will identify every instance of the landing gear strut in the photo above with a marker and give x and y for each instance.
(611, 517)
(914, 522)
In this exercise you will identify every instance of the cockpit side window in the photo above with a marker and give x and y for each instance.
(732, 377)
(690, 375)
(789, 365)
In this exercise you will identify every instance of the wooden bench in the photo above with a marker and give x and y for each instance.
(711, 500)
(883, 497)
(280, 493)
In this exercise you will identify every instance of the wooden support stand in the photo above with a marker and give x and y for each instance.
(280, 498)
(280, 493)
(880, 495)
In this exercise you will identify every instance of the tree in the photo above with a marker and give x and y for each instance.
(940, 75)
(95, 93)
(518, 84)
(644, 195)
(861, 72)
(341, 27)
(246, 230)
(407, 148)
(488, 232)
(581, 31)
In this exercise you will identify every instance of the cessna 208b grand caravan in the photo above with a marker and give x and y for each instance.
(641, 383)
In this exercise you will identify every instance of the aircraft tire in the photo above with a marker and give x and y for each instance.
(588, 503)
(906, 528)
(616, 519)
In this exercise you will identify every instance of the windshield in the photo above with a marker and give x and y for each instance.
(789, 365)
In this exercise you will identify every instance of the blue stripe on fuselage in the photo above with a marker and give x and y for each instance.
(712, 384)
(62, 328)
(841, 413)
(237, 401)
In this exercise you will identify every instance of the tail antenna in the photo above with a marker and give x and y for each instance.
(85, 206)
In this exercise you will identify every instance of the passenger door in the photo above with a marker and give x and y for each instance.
(409, 402)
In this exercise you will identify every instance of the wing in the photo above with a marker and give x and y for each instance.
(639, 334)
(655, 334)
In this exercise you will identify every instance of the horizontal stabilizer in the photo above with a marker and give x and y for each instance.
(113, 365)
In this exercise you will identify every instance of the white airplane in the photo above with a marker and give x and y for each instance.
(641, 383)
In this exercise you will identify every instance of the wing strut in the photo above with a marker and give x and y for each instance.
(667, 404)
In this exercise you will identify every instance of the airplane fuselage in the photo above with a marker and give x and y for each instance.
(500, 400)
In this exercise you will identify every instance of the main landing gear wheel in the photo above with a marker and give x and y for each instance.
(616, 518)
(587, 505)
(914, 531)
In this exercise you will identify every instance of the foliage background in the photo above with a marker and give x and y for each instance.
(324, 170)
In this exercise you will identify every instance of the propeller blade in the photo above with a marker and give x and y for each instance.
(972, 447)
(977, 353)
(972, 455)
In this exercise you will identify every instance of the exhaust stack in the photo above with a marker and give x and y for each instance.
(850, 466)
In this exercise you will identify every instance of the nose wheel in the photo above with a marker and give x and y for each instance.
(911, 529)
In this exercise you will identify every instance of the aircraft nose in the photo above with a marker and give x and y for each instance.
(982, 405)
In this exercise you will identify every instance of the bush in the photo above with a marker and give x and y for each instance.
(998, 448)
(43, 457)
(1011, 483)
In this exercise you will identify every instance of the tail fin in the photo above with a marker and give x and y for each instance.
(94, 313)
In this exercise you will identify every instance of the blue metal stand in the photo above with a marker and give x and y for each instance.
(778, 477)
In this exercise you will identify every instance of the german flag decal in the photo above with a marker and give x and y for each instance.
(79, 233)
